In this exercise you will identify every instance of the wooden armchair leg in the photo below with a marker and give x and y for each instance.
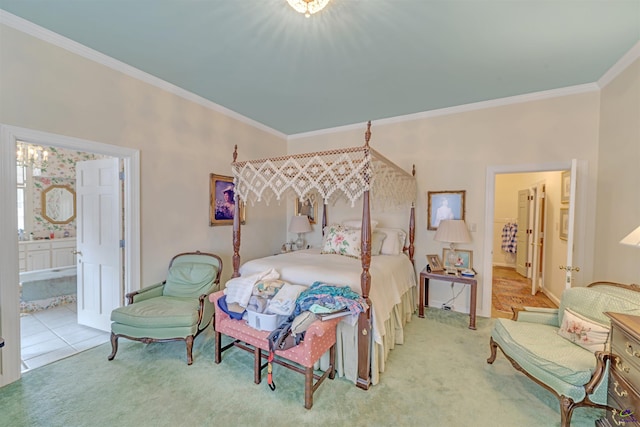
(308, 388)
(114, 346)
(332, 362)
(494, 347)
(218, 347)
(189, 341)
(257, 371)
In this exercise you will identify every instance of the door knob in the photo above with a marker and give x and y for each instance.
(569, 268)
(77, 252)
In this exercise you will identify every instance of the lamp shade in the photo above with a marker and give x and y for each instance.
(632, 239)
(452, 231)
(299, 224)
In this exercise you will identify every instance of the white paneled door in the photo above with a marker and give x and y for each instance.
(98, 242)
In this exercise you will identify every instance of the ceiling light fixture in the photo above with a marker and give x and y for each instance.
(33, 156)
(308, 7)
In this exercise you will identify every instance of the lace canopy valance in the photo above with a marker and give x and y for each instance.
(331, 175)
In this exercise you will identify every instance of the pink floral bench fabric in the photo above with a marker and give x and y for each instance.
(320, 337)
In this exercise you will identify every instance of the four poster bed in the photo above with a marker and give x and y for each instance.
(387, 282)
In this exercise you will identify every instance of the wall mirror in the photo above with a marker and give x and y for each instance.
(59, 204)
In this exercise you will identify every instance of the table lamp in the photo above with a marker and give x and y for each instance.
(632, 239)
(299, 224)
(452, 231)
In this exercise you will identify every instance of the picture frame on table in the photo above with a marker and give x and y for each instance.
(565, 187)
(307, 206)
(444, 205)
(564, 223)
(434, 263)
(222, 201)
(464, 262)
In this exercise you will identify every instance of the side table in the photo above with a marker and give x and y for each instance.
(424, 291)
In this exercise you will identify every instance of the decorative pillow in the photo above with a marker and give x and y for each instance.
(584, 332)
(394, 242)
(357, 223)
(341, 241)
(377, 239)
(189, 279)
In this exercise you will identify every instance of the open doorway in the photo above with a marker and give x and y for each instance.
(48, 257)
(518, 258)
(556, 250)
(9, 263)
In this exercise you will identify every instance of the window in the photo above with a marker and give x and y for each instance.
(22, 192)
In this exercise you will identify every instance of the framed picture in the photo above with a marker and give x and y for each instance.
(463, 261)
(444, 205)
(222, 201)
(307, 206)
(565, 187)
(564, 223)
(434, 263)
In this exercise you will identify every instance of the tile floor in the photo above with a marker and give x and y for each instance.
(54, 334)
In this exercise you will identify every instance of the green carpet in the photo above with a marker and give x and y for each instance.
(438, 378)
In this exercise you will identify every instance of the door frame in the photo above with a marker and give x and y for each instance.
(490, 188)
(9, 271)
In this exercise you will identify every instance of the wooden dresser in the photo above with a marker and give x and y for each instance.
(623, 397)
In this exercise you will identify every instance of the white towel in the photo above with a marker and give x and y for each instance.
(284, 302)
(238, 290)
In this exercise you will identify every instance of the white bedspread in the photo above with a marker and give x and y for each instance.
(391, 276)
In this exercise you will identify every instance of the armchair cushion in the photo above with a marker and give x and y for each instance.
(189, 279)
(159, 312)
(543, 347)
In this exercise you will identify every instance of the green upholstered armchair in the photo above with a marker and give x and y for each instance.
(175, 309)
(577, 376)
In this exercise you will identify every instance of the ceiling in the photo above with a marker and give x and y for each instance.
(357, 60)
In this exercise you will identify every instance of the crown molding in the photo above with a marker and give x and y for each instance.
(620, 66)
(58, 40)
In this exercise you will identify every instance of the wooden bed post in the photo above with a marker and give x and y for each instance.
(324, 217)
(412, 224)
(236, 228)
(364, 320)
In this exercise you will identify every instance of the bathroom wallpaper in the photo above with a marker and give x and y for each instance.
(60, 170)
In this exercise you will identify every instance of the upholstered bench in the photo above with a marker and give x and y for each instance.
(319, 337)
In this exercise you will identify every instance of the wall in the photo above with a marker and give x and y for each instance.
(619, 178)
(453, 152)
(50, 89)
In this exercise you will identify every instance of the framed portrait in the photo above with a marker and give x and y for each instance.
(564, 223)
(464, 259)
(307, 206)
(222, 201)
(444, 205)
(434, 263)
(565, 187)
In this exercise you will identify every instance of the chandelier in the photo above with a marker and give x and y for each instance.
(32, 156)
(308, 7)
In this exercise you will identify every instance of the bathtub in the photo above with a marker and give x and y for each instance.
(42, 289)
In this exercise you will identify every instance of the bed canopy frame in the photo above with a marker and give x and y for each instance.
(348, 173)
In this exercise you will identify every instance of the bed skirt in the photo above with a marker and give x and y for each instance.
(347, 341)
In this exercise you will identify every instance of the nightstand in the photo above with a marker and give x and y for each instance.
(424, 291)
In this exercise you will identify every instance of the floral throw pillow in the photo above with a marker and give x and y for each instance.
(584, 332)
(342, 241)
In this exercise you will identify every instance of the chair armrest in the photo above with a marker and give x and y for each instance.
(320, 327)
(145, 293)
(542, 315)
(602, 357)
(219, 314)
(206, 309)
